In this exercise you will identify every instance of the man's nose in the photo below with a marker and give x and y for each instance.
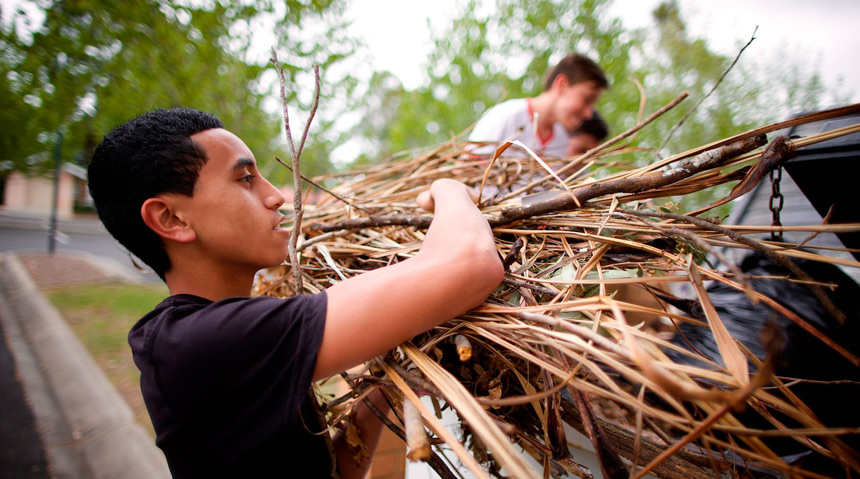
(274, 198)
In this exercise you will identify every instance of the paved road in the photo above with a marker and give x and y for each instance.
(34, 240)
(82, 234)
(21, 452)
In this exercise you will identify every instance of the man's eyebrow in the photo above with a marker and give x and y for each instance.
(243, 163)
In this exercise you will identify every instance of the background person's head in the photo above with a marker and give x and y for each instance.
(589, 135)
(576, 84)
(145, 156)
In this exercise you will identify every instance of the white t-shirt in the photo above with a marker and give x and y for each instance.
(512, 120)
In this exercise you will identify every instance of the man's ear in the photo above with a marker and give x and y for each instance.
(160, 216)
(560, 83)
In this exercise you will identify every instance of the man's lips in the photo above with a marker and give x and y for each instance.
(277, 226)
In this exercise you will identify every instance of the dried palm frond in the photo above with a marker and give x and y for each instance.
(559, 342)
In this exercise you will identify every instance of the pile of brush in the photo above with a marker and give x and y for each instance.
(588, 332)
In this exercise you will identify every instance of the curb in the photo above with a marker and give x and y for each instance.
(87, 429)
(113, 269)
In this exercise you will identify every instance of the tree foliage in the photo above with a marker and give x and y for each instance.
(491, 54)
(95, 63)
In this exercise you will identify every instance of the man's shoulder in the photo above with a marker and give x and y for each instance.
(509, 107)
(182, 305)
(501, 120)
(188, 318)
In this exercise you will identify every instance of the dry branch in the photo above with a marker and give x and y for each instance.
(710, 92)
(591, 153)
(560, 328)
(561, 202)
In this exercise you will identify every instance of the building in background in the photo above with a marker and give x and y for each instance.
(33, 195)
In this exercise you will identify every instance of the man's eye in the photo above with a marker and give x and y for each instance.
(248, 178)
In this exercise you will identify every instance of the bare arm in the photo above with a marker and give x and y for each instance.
(455, 270)
(370, 428)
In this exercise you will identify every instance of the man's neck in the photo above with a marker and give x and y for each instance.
(208, 282)
(541, 106)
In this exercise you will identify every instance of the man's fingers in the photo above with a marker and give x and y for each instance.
(473, 193)
(425, 201)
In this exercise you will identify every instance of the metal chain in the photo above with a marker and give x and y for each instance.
(776, 202)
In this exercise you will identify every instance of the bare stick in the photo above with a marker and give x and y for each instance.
(434, 461)
(283, 92)
(297, 177)
(416, 437)
(322, 188)
(590, 153)
(311, 113)
(696, 106)
(563, 201)
(402, 219)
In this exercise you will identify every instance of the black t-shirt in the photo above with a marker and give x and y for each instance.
(226, 385)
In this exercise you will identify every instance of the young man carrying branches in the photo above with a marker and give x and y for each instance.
(225, 377)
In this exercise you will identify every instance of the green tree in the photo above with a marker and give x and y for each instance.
(16, 115)
(96, 63)
(487, 56)
(482, 59)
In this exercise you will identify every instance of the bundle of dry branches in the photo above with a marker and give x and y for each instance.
(559, 345)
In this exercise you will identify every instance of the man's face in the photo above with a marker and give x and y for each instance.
(234, 210)
(575, 103)
(580, 143)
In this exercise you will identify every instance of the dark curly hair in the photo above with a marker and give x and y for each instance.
(147, 155)
(595, 126)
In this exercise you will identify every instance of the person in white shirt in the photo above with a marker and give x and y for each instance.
(542, 123)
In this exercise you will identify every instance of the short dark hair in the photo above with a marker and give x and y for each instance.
(595, 126)
(578, 69)
(147, 155)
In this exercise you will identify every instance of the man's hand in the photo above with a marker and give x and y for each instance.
(455, 270)
(443, 186)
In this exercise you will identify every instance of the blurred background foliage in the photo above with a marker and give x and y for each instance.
(96, 63)
(482, 59)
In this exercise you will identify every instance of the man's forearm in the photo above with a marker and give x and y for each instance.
(370, 429)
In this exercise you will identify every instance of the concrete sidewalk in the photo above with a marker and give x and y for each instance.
(83, 224)
(86, 428)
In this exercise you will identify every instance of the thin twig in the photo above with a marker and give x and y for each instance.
(404, 219)
(283, 92)
(311, 114)
(323, 188)
(433, 461)
(297, 176)
(696, 106)
(590, 153)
